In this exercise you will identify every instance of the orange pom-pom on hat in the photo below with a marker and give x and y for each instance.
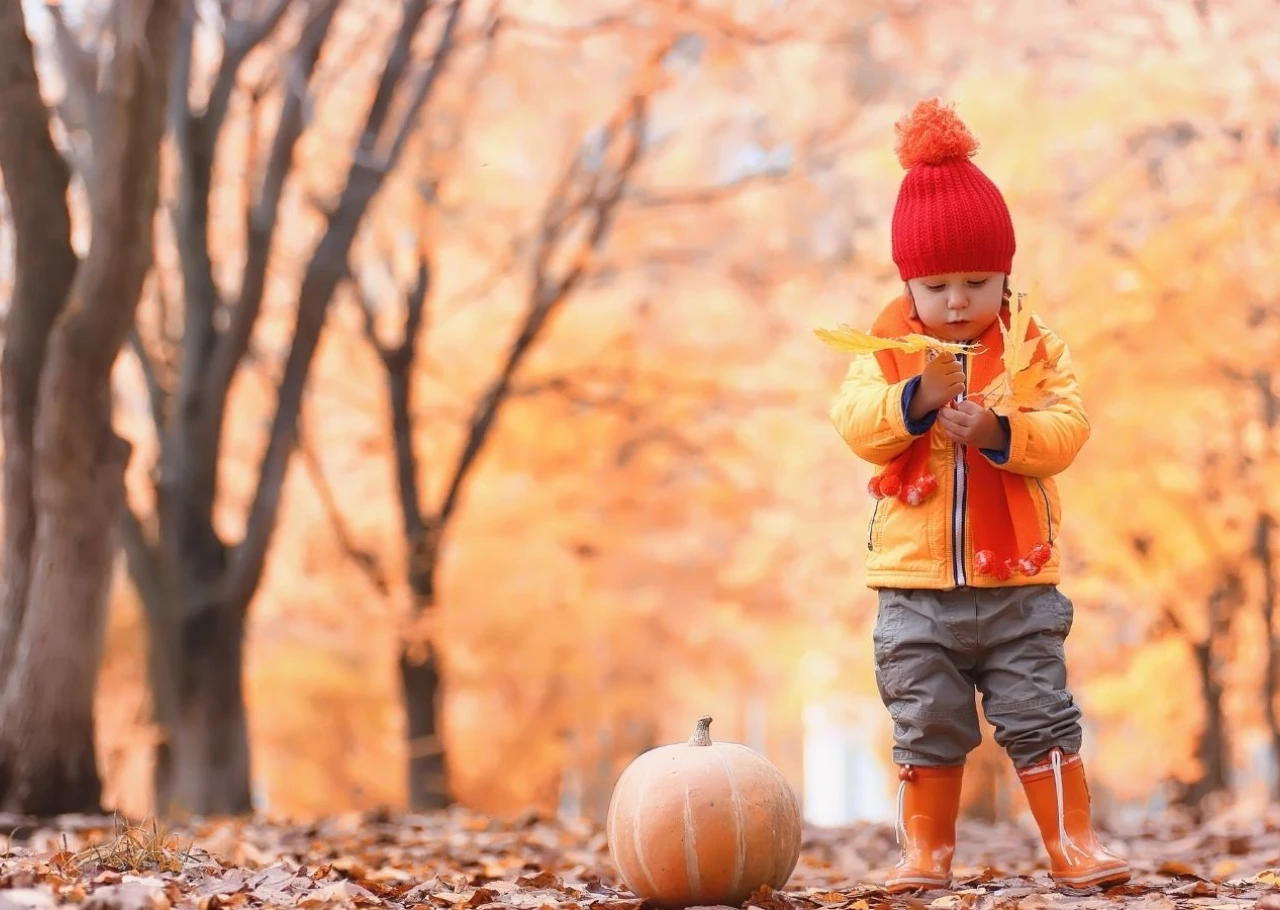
(932, 134)
(949, 216)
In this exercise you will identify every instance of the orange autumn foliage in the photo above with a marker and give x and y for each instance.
(664, 524)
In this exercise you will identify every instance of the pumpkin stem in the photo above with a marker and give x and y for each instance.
(702, 735)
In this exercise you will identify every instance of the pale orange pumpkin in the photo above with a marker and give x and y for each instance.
(701, 823)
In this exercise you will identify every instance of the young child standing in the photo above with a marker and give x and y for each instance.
(962, 539)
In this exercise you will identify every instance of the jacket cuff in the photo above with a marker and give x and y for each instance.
(1019, 437)
(915, 427)
(1001, 456)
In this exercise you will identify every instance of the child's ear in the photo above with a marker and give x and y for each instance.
(906, 289)
(1008, 292)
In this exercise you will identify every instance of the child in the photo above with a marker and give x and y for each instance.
(962, 533)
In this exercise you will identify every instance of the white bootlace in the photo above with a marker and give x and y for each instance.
(1064, 839)
(901, 826)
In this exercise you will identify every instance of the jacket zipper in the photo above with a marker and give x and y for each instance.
(960, 475)
(1048, 512)
(871, 527)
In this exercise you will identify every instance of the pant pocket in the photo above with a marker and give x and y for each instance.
(1053, 611)
(886, 634)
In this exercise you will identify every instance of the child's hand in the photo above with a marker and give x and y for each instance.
(970, 424)
(941, 381)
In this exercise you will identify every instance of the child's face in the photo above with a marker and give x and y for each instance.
(958, 306)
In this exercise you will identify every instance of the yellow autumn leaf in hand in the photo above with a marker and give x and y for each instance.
(1023, 393)
(1019, 386)
(1017, 353)
(856, 341)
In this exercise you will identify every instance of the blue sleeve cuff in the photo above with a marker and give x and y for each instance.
(1000, 456)
(921, 426)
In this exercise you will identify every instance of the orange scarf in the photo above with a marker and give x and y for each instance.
(1002, 518)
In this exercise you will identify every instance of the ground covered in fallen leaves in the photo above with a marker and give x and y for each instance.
(461, 861)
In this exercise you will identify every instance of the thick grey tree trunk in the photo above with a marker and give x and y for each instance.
(64, 464)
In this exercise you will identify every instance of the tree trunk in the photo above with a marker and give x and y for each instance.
(428, 774)
(420, 672)
(57, 418)
(1211, 741)
(36, 184)
(420, 679)
(197, 654)
(1263, 540)
(203, 767)
(1265, 531)
(47, 759)
(421, 687)
(1212, 749)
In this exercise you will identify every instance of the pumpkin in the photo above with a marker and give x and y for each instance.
(701, 823)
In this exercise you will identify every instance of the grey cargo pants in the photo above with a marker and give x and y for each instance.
(934, 648)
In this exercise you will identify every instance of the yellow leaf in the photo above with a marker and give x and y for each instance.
(1019, 387)
(1017, 353)
(856, 341)
(1223, 869)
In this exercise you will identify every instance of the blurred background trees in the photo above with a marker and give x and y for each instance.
(478, 432)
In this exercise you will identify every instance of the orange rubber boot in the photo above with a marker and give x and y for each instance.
(928, 803)
(1059, 798)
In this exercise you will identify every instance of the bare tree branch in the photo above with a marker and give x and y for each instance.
(425, 84)
(79, 106)
(260, 227)
(190, 216)
(398, 361)
(240, 38)
(429, 184)
(325, 270)
(598, 204)
(156, 393)
(707, 20)
(578, 389)
(705, 196)
(674, 15)
(365, 560)
(124, 158)
(168, 327)
(180, 113)
(572, 33)
(397, 60)
(400, 356)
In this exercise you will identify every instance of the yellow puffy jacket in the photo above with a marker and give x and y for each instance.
(925, 546)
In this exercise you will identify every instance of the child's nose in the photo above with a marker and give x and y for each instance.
(958, 300)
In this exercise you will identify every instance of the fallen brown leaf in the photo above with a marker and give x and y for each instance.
(466, 861)
(26, 899)
(1175, 867)
(135, 895)
(343, 893)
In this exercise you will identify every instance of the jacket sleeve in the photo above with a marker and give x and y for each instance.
(1045, 442)
(871, 414)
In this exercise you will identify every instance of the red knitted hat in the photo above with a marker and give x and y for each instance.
(949, 216)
